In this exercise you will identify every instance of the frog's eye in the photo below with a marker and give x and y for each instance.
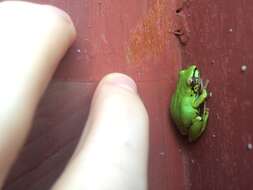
(190, 81)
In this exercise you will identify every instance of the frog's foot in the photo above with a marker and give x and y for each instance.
(206, 84)
(206, 112)
(205, 119)
(198, 126)
(201, 99)
(203, 84)
(204, 94)
(204, 90)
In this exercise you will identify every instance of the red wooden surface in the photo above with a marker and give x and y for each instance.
(220, 43)
(136, 38)
(133, 37)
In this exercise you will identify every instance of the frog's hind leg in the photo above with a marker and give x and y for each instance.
(198, 126)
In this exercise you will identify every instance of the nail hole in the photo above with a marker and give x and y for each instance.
(178, 32)
(178, 10)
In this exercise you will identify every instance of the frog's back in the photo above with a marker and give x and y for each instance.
(175, 109)
(182, 112)
(187, 112)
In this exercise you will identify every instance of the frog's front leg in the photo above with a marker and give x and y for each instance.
(198, 126)
(200, 99)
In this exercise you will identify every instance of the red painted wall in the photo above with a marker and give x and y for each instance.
(220, 44)
(138, 38)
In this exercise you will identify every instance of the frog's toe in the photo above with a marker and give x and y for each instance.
(204, 93)
(206, 84)
(205, 116)
(206, 111)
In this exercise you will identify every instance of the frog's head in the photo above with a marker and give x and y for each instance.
(191, 78)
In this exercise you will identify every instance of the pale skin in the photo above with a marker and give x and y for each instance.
(113, 150)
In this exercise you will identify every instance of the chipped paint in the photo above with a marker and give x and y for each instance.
(151, 35)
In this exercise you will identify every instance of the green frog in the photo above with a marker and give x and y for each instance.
(188, 108)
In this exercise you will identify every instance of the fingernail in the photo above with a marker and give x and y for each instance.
(60, 12)
(121, 80)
